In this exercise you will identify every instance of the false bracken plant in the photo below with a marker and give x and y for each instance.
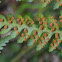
(27, 30)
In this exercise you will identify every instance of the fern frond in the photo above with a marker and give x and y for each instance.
(28, 31)
(55, 3)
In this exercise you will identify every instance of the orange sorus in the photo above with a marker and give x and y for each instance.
(56, 24)
(37, 37)
(25, 39)
(57, 0)
(47, 39)
(8, 18)
(57, 44)
(51, 44)
(26, 20)
(20, 23)
(51, 24)
(28, 36)
(22, 19)
(43, 18)
(57, 35)
(40, 22)
(32, 22)
(18, 32)
(54, 48)
(23, 34)
(15, 28)
(60, 4)
(28, 23)
(59, 41)
(54, 41)
(25, 30)
(40, 42)
(53, 29)
(41, 27)
(5, 27)
(35, 32)
(1, 19)
(13, 17)
(18, 19)
(45, 23)
(45, 42)
(45, 35)
(34, 41)
(52, 17)
(42, 46)
(10, 21)
(60, 20)
(47, 2)
(43, 1)
(39, 19)
(55, 21)
(60, 16)
(42, 38)
(32, 37)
